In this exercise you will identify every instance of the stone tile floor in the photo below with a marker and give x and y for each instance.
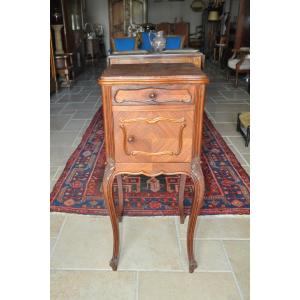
(153, 262)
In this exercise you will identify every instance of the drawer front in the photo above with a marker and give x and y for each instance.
(153, 136)
(175, 94)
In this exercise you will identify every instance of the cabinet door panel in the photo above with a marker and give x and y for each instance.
(153, 136)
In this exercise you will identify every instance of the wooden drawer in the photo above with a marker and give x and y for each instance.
(153, 136)
(175, 94)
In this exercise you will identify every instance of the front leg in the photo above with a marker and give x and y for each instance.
(198, 179)
(181, 197)
(108, 179)
(120, 197)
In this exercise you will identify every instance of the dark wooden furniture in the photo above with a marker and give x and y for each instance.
(53, 77)
(242, 36)
(153, 118)
(196, 58)
(211, 29)
(122, 13)
(165, 27)
(73, 36)
(243, 126)
(179, 28)
(219, 48)
(65, 68)
(92, 49)
(183, 28)
(239, 63)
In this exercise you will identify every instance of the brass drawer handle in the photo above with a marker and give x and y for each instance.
(152, 95)
(131, 139)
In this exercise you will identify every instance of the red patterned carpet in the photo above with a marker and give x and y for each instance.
(79, 189)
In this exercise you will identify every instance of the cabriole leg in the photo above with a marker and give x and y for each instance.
(181, 198)
(108, 179)
(198, 179)
(120, 197)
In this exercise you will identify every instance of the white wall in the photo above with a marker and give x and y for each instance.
(166, 11)
(97, 12)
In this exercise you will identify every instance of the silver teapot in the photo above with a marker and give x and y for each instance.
(158, 43)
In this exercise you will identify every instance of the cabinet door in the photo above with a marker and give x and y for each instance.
(138, 11)
(117, 17)
(53, 81)
(153, 136)
(122, 13)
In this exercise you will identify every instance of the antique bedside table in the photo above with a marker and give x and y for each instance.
(153, 118)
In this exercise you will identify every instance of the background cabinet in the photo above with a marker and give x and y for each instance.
(71, 14)
(122, 13)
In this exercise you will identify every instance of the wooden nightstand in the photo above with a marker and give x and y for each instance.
(153, 118)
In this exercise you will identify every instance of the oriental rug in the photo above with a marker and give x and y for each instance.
(79, 188)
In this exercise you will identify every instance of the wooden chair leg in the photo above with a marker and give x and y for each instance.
(108, 180)
(238, 123)
(227, 74)
(181, 198)
(198, 179)
(120, 197)
(236, 78)
(247, 137)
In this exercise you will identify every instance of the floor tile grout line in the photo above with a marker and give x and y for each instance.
(63, 129)
(210, 116)
(53, 177)
(79, 134)
(219, 239)
(240, 154)
(137, 270)
(232, 271)
(137, 286)
(58, 236)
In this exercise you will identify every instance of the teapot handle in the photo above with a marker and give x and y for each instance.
(149, 36)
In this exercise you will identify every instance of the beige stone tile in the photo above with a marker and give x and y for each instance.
(93, 99)
(80, 106)
(227, 140)
(246, 157)
(77, 141)
(62, 138)
(53, 171)
(227, 129)
(55, 108)
(59, 171)
(59, 121)
(239, 156)
(74, 125)
(52, 243)
(84, 114)
(56, 221)
(239, 256)
(239, 143)
(85, 242)
(60, 154)
(183, 285)
(219, 227)
(209, 255)
(89, 285)
(247, 168)
(225, 117)
(209, 115)
(236, 107)
(150, 243)
(52, 183)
